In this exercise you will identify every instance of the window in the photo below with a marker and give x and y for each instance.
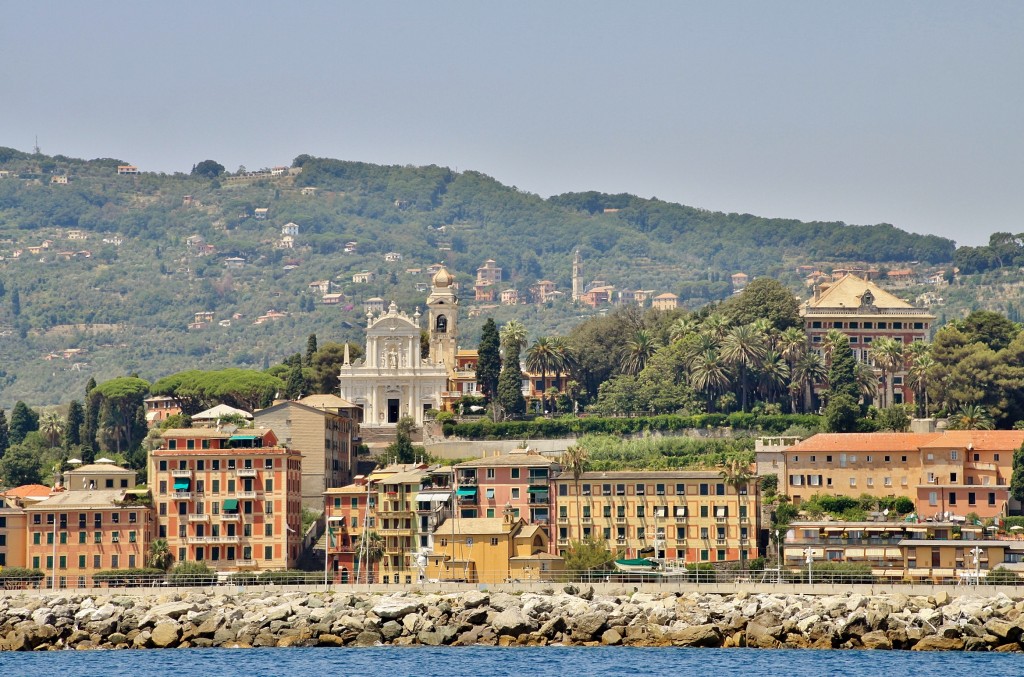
(607, 511)
(680, 490)
(515, 492)
(704, 511)
(490, 473)
(268, 529)
(563, 489)
(971, 498)
(704, 555)
(953, 455)
(494, 541)
(81, 537)
(704, 489)
(268, 464)
(606, 490)
(641, 489)
(268, 508)
(952, 498)
(585, 489)
(490, 513)
(620, 489)
(641, 533)
(515, 473)
(640, 511)
(490, 492)
(268, 552)
(853, 481)
(563, 511)
(620, 511)
(81, 561)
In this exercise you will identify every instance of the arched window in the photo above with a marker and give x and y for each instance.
(441, 326)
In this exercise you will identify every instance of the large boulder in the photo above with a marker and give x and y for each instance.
(512, 621)
(474, 598)
(697, 635)
(393, 608)
(165, 634)
(937, 643)
(587, 626)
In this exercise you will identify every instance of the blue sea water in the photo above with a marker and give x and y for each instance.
(488, 661)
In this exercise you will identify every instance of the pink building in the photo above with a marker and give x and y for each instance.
(521, 478)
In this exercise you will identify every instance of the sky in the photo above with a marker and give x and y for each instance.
(908, 113)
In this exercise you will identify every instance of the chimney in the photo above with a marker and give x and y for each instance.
(817, 292)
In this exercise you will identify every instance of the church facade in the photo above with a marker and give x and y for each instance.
(392, 380)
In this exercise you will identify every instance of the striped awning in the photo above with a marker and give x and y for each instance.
(428, 496)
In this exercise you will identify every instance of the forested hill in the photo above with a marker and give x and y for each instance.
(118, 296)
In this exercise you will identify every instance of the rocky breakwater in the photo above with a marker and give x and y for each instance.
(568, 617)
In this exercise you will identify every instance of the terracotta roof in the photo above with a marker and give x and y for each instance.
(838, 442)
(101, 469)
(348, 489)
(666, 295)
(846, 293)
(633, 475)
(99, 498)
(28, 490)
(981, 440)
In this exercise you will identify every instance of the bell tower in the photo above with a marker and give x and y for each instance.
(577, 276)
(443, 319)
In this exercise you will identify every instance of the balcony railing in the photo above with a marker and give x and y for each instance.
(182, 473)
(466, 480)
(539, 481)
(245, 472)
(230, 517)
(245, 494)
(244, 562)
(181, 494)
(198, 517)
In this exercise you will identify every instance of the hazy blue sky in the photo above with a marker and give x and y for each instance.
(864, 112)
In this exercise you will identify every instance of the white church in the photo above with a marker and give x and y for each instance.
(392, 380)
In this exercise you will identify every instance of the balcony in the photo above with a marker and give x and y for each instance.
(680, 519)
(539, 481)
(563, 519)
(198, 517)
(184, 495)
(245, 494)
(244, 562)
(720, 542)
(620, 520)
(223, 539)
(744, 519)
(187, 474)
(563, 541)
(721, 520)
(467, 480)
(587, 520)
(246, 472)
(230, 517)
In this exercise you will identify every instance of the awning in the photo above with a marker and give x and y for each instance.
(466, 491)
(894, 553)
(854, 552)
(834, 529)
(181, 484)
(231, 504)
(428, 496)
(875, 552)
(243, 438)
(917, 530)
(719, 512)
(537, 490)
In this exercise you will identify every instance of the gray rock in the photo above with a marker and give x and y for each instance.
(395, 607)
(368, 638)
(512, 621)
(585, 627)
(165, 634)
(697, 635)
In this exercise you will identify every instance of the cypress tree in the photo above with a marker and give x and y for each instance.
(73, 424)
(488, 365)
(23, 421)
(510, 384)
(91, 425)
(296, 384)
(842, 375)
(15, 302)
(5, 440)
(1017, 477)
(311, 349)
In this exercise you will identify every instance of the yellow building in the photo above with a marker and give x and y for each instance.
(491, 550)
(13, 536)
(683, 515)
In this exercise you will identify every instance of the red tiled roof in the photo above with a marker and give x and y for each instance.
(838, 442)
(26, 490)
(982, 440)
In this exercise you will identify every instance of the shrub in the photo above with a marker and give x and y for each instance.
(1002, 576)
(192, 573)
(128, 577)
(21, 574)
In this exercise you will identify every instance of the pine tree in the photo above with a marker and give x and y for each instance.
(311, 349)
(91, 425)
(15, 302)
(1017, 478)
(5, 440)
(488, 365)
(73, 425)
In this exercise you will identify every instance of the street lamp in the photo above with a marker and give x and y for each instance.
(810, 560)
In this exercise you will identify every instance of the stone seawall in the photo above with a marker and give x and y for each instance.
(565, 616)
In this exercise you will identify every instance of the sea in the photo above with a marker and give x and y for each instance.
(487, 661)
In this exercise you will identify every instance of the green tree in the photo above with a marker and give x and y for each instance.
(894, 418)
(208, 168)
(73, 425)
(311, 350)
(765, 298)
(91, 426)
(52, 428)
(510, 381)
(588, 556)
(23, 421)
(488, 365)
(370, 548)
(842, 374)
(21, 465)
(402, 450)
(574, 459)
(888, 355)
(15, 302)
(296, 385)
(5, 435)
(545, 356)
(971, 417)
(841, 414)
(160, 555)
(743, 348)
(1017, 477)
(121, 399)
(637, 351)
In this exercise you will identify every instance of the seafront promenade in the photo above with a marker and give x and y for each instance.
(985, 618)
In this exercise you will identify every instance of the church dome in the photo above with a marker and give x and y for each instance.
(443, 278)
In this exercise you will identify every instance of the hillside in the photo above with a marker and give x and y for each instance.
(102, 273)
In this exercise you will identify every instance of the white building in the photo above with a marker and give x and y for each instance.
(392, 380)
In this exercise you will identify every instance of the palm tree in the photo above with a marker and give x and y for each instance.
(792, 343)
(708, 374)
(681, 328)
(773, 373)
(575, 460)
(51, 426)
(867, 380)
(808, 370)
(828, 344)
(513, 334)
(743, 348)
(542, 357)
(160, 555)
(637, 351)
(918, 376)
(971, 417)
(887, 354)
(716, 325)
(370, 547)
(736, 474)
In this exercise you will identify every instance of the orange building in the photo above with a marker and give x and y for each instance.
(230, 499)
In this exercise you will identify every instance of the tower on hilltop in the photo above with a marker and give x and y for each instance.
(577, 276)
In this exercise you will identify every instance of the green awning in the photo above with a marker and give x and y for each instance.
(243, 438)
(466, 491)
(231, 504)
(181, 484)
(537, 490)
